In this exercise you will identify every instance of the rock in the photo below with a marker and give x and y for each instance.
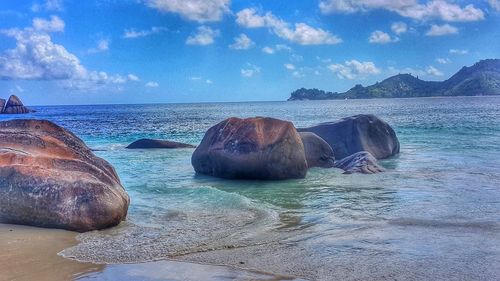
(318, 151)
(364, 132)
(50, 178)
(15, 106)
(254, 148)
(2, 105)
(359, 162)
(150, 143)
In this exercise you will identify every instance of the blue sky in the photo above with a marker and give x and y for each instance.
(153, 51)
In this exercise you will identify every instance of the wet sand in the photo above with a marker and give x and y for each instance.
(30, 253)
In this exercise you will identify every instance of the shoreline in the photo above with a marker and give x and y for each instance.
(32, 253)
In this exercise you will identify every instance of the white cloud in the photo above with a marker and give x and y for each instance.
(208, 81)
(431, 70)
(380, 37)
(198, 78)
(289, 66)
(440, 30)
(268, 50)
(300, 33)
(495, 4)
(242, 42)
(102, 46)
(36, 57)
(440, 9)
(204, 36)
(459, 52)
(195, 10)
(399, 27)
(49, 5)
(152, 84)
(443, 60)
(132, 77)
(250, 70)
(133, 33)
(354, 69)
(55, 24)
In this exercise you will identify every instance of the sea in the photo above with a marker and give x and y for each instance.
(433, 215)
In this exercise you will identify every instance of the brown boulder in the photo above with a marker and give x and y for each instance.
(15, 106)
(50, 178)
(252, 148)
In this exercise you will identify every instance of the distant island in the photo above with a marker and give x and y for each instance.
(481, 79)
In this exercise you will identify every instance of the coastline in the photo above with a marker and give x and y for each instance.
(32, 253)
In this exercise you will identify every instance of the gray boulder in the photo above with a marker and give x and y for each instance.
(359, 162)
(253, 148)
(318, 151)
(151, 143)
(364, 132)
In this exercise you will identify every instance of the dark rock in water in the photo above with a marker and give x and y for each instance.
(360, 162)
(2, 105)
(50, 178)
(253, 148)
(364, 132)
(318, 151)
(150, 143)
(15, 106)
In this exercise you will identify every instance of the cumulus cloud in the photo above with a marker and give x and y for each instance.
(289, 66)
(55, 24)
(102, 46)
(250, 70)
(443, 60)
(49, 5)
(132, 77)
(440, 30)
(195, 10)
(37, 57)
(399, 27)
(300, 33)
(431, 70)
(204, 36)
(133, 33)
(495, 4)
(354, 69)
(276, 48)
(380, 37)
(413, 9)
(152, 84)
(242, 42)
(459, 52)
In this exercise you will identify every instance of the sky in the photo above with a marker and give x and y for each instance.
(56, 52)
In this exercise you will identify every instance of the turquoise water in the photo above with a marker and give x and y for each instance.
(435, 213)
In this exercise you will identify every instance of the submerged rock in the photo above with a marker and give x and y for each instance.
(359, 162)
(252, 148)
(363, 132)
(50, 178)
(151, 143)
(15, 106)
(318, 151)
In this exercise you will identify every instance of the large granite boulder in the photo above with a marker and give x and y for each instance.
(151, 143)
(318, 151)
(15, 106)
(50, 178)
(2, 105)
(364, 132)
(253, 148)
(359, 162)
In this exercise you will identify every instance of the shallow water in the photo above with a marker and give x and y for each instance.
(435, 213)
